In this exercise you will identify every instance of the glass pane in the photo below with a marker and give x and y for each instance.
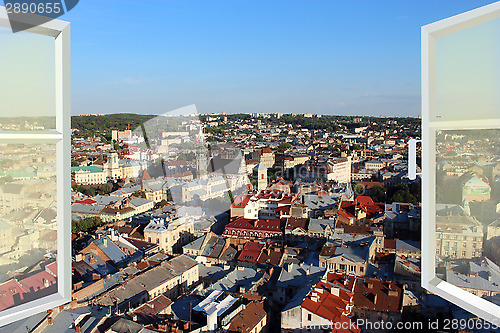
(27, 82)
(468, 74)
(28, 222)
(468, 209)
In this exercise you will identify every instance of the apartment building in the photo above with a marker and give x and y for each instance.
(170, 279)
(88, 175)
(458, 236)
(170, 233)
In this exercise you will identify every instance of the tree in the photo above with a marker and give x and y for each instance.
(161, 204)
(284, 146)
(139, 194)
(90, 191)
(87, 224)
(402, 193)
(105, 189)
(379, 194)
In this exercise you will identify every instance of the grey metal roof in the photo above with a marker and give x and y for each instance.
(297, 275)
(396, 217)
(110, 249)
(200, 192)
(407, 245)
(136, 202)
(126, 190)
(229, 254)
(484, 275)
(100, 266)
(314, 201)
(219, 187)
(319, 225)
(213, 272)
(148, 280)
(126, 326)
(86, 209)
(196, 244)
(24, 325)
(356, 254)
(64, 320)
(449, 209)
(203, 224)
(104, 200)
(242, 276)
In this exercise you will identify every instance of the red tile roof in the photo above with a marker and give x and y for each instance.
(87, 201)
(250, 252)
(52, 268)
(374, 294)
(11, 293)
(324, 303)
(293, 223)
(241, 201)
(155, 306)
(38, 281)
(364, 203)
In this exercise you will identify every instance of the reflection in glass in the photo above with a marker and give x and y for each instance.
(27, 82)
(468, 209)
(468, 74)
(28, 222)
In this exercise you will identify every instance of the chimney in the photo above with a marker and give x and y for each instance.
(50, 321)
(105, 241)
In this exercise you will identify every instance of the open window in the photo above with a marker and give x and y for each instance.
(461, 160)
(35, 164)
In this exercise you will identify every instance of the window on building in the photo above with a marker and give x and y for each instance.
(460, 74)
(40, 140)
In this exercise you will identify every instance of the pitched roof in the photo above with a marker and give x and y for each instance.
(154, 306)
(377, 295)
(323, 302)
(293, 223)
(248, 318)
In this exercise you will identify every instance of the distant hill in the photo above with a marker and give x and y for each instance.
(102, 125)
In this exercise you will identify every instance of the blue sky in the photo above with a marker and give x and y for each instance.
(349, 57)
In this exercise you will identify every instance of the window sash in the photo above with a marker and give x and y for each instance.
(60, 31)
(430, 33)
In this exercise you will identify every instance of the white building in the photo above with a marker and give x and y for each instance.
(88, 175)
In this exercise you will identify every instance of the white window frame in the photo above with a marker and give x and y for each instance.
(430, 33)
(61, 137)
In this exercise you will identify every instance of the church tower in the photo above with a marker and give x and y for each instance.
(201, 164)
(113, 165)
(261, 177)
